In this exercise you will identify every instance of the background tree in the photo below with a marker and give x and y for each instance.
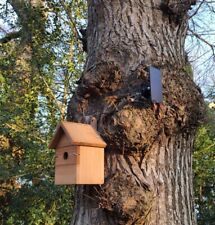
(39, 64)
(204, 165)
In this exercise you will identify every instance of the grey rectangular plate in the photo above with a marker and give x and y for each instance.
(156, 84)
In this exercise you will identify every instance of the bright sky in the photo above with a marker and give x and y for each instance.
(201, 54)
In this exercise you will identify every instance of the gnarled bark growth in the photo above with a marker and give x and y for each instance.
(148, 158)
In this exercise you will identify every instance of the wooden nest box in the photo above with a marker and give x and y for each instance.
(79, 154)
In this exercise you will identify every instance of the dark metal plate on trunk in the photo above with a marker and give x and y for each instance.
(156, 85)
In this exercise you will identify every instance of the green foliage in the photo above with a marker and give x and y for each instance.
(204, 180)
(38, 203)
(37, 77)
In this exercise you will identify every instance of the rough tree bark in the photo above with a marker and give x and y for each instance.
(148, 169)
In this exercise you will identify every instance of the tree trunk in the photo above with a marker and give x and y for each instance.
(148, 169)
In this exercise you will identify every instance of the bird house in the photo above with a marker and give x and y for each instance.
(79, 154)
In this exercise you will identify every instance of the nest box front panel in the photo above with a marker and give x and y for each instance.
(67, 159)
(67, 156)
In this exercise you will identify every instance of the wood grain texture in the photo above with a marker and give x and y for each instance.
(84, 165)
(63, 141)
(67, 155)
(66, 169)
(90, 170)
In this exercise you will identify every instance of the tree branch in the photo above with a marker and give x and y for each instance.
(19, 8)
(203, 40)
(196, 11)
(10, 36)
(2, 29)
(18, 128)
(77, 34)
(60, 106)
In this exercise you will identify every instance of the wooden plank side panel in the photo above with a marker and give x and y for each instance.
(90, 170)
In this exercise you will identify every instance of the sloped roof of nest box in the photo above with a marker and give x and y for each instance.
(77, 134)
